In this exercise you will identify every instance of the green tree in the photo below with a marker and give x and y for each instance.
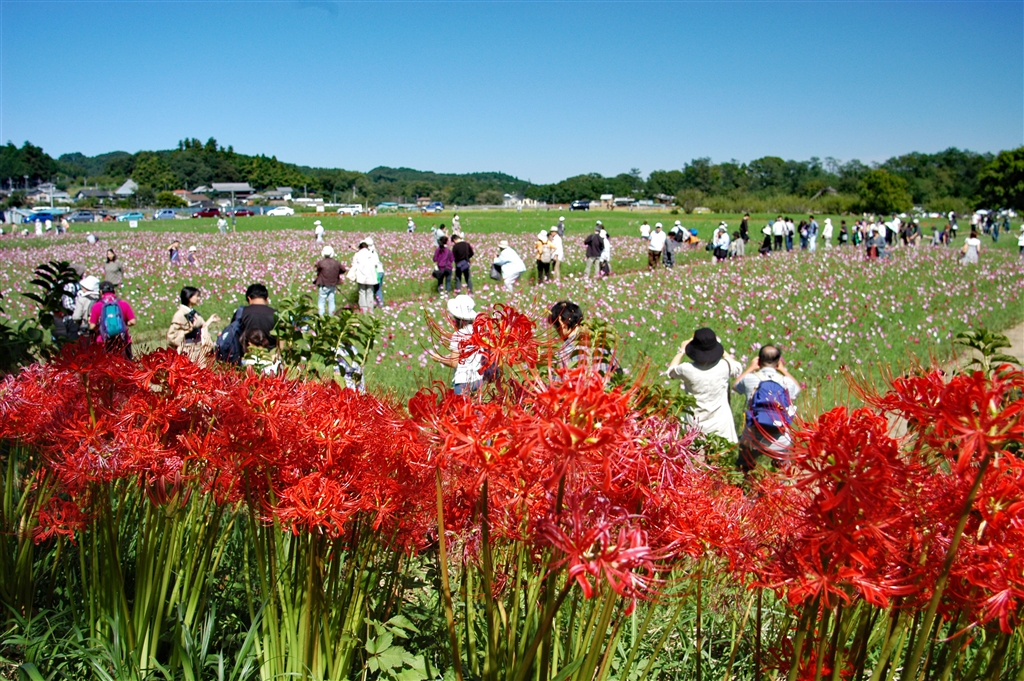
(152, 169)
(883, 193)
(170, 200)
(490, 197)
(1001, 182)
(690, 198)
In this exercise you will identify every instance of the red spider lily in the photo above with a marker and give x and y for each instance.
(317, 504)
(505, 336)
(852, 495)
(58, 518)
(594, 551)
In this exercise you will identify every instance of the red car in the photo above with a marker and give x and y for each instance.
(243, 212)
(207, 213)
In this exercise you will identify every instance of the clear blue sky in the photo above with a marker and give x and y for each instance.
(542, 90)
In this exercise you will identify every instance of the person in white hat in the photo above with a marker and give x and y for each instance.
(826, 233)
(545, 256)
(561, 225)
(655, 246)
(88, 294)
(457, 226)
(720, 242)
(556, 242)
(508, 264)
(191, 257)
(467, 379)
(328, 275)
(318, 230)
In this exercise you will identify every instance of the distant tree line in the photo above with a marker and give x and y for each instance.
(953, 179)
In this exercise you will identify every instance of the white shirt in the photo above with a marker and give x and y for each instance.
(710, 385)
(364, 264)
(721, 239)
(645, 230)
(778, 228)
(468, 369)
(510, 263)
(657, 240)
(556, 241)
(319, 231)
(826, 231)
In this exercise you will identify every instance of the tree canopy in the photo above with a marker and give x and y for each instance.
(950, 177)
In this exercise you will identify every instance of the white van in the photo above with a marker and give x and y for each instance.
(351, 209)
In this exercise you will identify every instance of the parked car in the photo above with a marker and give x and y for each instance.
(82, 216)
(280, 210)
(165, 214)
(135, 215)
(207, 213)
(242, 212)
(42, 217)
(433, 207)
(351, 209)
(582, 204)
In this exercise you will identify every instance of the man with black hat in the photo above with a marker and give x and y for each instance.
(708, 379)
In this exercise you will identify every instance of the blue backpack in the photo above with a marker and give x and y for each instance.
(769, 406)
(229, 347)
(112, 324)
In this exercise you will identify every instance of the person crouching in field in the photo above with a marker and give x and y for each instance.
(189, 333)
(509, 265)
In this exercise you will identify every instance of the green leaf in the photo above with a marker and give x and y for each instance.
(29, 672)
(411, 675)
(391, 658)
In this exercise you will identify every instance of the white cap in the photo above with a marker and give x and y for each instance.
(462, 307)
(678, 222)
(501, 244)
(561, 218)
(90, 283)
(191, 249)
(599, 222)
(317, 222)
(542, 235)
(327, 252)
(657, 225)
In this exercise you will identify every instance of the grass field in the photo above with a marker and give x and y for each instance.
(827, 309)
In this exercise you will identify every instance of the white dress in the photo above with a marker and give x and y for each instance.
(710, 385)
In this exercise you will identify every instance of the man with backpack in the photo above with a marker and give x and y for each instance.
(110, 318)
(255, 316)
(770, 392)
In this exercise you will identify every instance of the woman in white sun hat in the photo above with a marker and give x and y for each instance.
(467, 379)
(318, 230)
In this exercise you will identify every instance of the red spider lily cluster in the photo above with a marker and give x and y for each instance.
(563, 466)
(864, 514)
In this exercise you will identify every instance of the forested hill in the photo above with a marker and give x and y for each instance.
(953, 179)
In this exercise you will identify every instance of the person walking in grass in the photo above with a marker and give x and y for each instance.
(378, 288)
(826, 233)
(595, 245)
(970, 250)
(655, 246)
(445, 262)
(778, 233)
(113, 270)
(645, 231)
(545, 256)
(318, 231)
(328, 275)
(462, 252)
(556, 243)
(363, 272)
(561, 225)
(812, 235)
(110, 318)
